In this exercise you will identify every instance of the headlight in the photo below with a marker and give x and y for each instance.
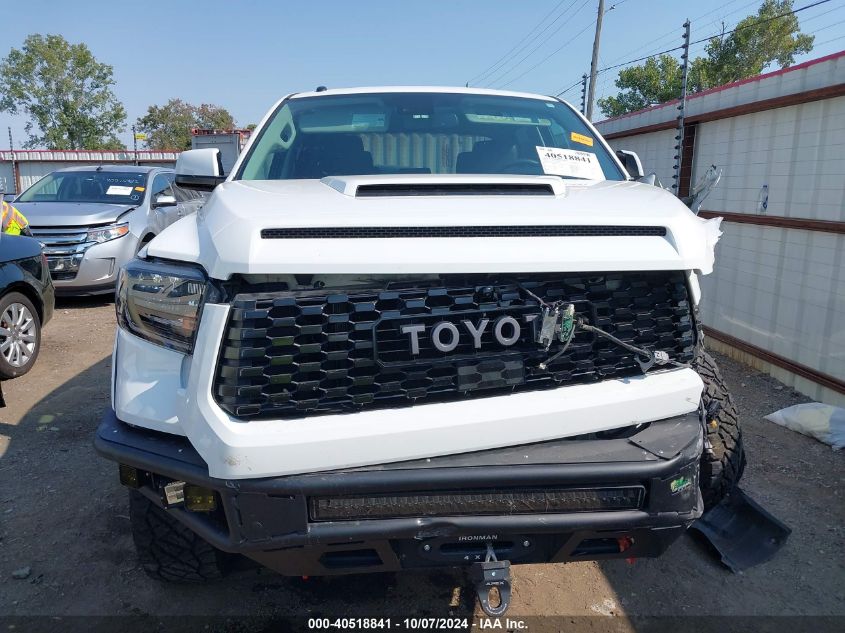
(162, 302)
(106, 233)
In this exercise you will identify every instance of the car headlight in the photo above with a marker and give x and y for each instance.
(162, 302)
(106, 233)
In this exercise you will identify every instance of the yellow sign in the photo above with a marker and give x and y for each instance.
(140, 136)
(580, 138)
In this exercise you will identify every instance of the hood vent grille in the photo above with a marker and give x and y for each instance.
(381, 232)
(454, 189)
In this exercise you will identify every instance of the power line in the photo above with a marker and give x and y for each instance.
(565, 90)
(716, 35)
(513, 51)
(710, 37)
(497, 64)
(835, 39)
(553, 53)
(502, 62)
(639, 59)
(829, 26)
(824, 13)
(753, 2)
(774, 17)
(671, 34)
(516, 65)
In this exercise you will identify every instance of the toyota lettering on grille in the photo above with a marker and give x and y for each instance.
(446, 335)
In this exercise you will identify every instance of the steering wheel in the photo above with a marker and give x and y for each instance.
(523, 166)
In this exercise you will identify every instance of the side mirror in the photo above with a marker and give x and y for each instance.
(199, 169)
(631, 162)
(164, 201)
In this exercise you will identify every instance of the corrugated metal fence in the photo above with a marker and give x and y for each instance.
(19, 169)
(777, 296)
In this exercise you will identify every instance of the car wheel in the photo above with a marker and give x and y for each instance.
(20, 335)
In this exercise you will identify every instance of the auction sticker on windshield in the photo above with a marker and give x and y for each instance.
(569, 162)
(118, 190)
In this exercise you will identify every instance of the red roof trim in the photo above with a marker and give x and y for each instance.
(740, 82)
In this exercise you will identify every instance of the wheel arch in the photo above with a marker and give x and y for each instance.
(30, 293)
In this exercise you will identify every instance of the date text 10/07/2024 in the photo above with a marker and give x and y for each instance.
(416, 624)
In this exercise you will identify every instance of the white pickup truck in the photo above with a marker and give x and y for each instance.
(418, 327)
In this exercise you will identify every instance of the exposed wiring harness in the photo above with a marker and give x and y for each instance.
(559, 321)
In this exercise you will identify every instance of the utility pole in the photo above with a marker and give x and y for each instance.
(135, 144)
(594, 70)
(584, 93)
(682, 104)
(14, 162)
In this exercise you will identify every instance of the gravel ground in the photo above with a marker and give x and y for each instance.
(64, 523)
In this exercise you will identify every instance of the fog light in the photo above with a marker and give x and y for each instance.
(66, 264)
(199, 499)
(129, 476)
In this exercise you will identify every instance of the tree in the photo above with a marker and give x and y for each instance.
(757, 41)
(169, 126)
(66, 93)
(214, 117)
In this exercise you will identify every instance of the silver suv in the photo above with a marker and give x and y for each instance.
(94, 219)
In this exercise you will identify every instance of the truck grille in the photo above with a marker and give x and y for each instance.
(299, 353)
(64, 249)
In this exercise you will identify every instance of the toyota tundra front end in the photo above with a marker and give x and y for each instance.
(417, 327)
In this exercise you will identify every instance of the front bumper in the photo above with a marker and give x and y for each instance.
(268, 519)
(95, 269)
(161, 389)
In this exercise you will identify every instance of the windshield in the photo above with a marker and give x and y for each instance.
(426, 133)
(110, 187)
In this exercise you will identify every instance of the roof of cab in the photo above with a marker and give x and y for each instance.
(123, 167)
(430, 89)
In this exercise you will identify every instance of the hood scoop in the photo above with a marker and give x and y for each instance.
(432, 185)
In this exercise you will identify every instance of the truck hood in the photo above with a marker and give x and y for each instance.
(225, 237)
(62, 214)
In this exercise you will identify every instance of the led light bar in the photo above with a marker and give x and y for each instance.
(487, 502)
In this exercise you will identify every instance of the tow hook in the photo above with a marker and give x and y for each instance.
(490, 574)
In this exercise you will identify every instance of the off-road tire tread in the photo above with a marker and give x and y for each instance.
(170, 551)
(723, 463)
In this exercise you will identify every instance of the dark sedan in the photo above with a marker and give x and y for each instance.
(26, 303)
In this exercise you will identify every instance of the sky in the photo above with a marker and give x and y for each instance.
(244, 55)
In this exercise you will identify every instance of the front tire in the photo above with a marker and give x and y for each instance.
(723, 459)
(20, 335)
(170, 551)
